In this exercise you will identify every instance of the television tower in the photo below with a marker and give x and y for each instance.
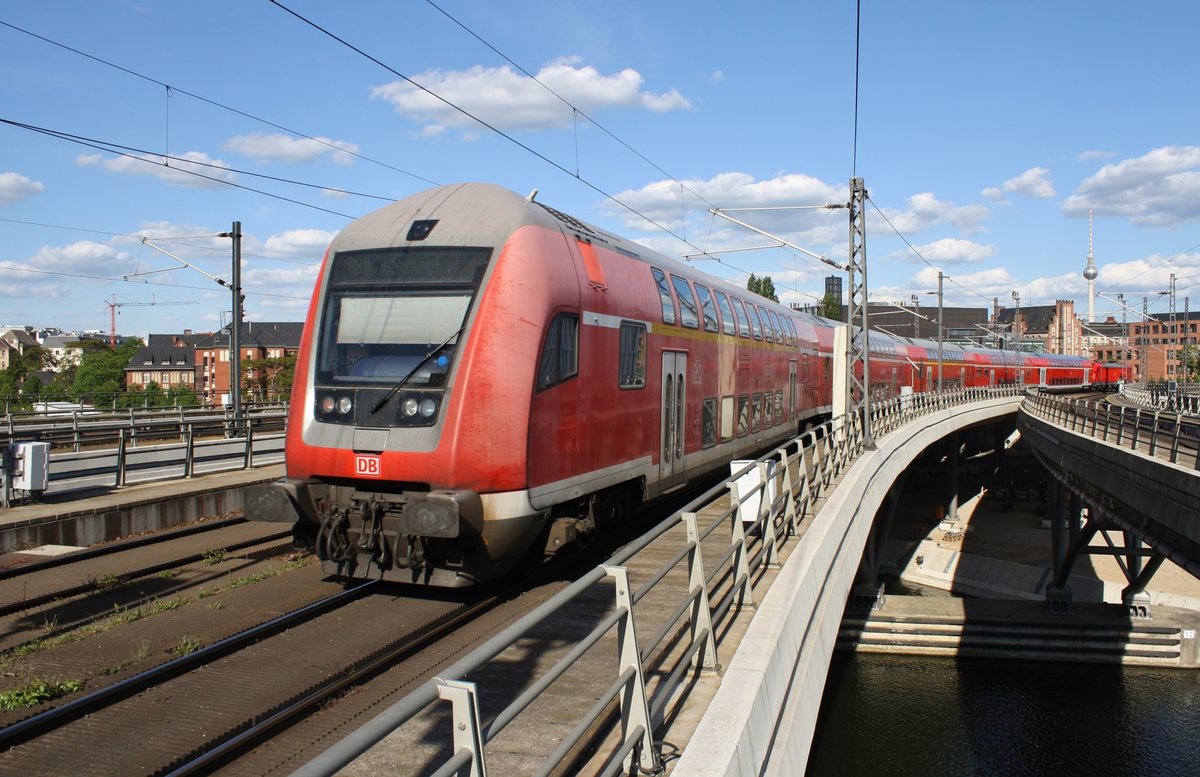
(1090, 274)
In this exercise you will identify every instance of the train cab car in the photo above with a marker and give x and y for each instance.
(481, 375)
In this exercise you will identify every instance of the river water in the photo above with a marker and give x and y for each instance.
(905, 715)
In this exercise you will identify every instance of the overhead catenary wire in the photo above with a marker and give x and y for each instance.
(132, 152)
(452, 105)
(163, 239)
(217, 104)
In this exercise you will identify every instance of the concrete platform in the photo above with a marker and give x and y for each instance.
(82, 518)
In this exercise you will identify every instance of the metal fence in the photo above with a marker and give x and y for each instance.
(1169, 436)
(109, 453)
(79, 429)
(1173, 397)
(674, 637)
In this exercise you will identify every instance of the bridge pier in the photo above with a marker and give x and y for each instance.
(868, 593)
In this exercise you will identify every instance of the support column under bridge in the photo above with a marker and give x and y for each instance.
(762, 718)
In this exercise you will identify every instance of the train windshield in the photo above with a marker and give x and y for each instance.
(387, 311)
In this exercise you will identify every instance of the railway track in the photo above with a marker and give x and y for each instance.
(192, 713)
(249, 667)
(109, 572)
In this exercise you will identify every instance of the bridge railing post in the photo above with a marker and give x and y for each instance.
(741, 561)
(765, 519)
(700, 619)
(1175, 439)
(635, 707)
(785, 488)
(467, 726)
(1137, 429)
(1154, 433)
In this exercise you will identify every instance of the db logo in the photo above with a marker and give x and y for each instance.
(368, 466)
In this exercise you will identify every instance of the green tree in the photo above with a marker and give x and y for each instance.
(763, 287)
(100, 376)
(831, 307)
(269, 380)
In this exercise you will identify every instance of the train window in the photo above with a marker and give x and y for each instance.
(708, 423)
(664, 295)
(755, 324)
(727, 417)
(756, 413)
(728, 325)
(792, 330)
(742, 319)
(631, 371)
(689, 316)
(778, 407)
(707, 306)
(743, 423)
(775, 325)
(560, 354)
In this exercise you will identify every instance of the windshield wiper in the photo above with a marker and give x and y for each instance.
(425, 360)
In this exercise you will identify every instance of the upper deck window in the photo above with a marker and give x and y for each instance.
(742, 318)
(707, 307)
(689, 315)
(755, 324)
(728, 325)
(664, 295)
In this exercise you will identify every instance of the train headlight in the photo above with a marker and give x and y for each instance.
(327, 404)
(409, 407)
(428, 408)
(345, 405)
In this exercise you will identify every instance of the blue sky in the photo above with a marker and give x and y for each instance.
(985, 134)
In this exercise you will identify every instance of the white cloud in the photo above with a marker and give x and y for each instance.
(1031, 183)
(925, 211)
(15, 187)
(950, 251)
(277, 147)
(194, 169)
(666, 202)
(52, 271)
(299, 244)
(506, 99)
(1088, 156)
(1159, 188)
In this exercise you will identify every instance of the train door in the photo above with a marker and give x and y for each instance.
(674, 402)
(1041, 376)
(791, 402)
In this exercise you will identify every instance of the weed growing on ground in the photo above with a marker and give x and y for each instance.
(37, 691)
(186, 646)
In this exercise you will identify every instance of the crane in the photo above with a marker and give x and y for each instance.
(112, 314)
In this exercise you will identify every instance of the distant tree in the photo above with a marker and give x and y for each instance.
(1189, 359)
(831, 307)
(100, 376)
(269, 379)
(763, 287)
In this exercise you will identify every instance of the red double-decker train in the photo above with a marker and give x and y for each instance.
(482, 376)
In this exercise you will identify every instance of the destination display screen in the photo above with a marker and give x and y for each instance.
(441, 265)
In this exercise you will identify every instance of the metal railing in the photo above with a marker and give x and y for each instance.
(1183, 398)
(1173, 437)
(698, 600)
(200, 448)
(78, 429)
